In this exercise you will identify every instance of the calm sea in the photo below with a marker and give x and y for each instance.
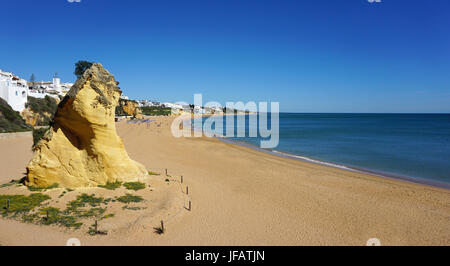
(415, 146)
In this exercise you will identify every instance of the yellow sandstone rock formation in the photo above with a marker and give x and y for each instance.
(131, 108)
(82, 149)
(34, 119)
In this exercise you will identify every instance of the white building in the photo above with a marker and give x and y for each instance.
(13, 90)
(172, 105)
(199, 110)
(54, 88)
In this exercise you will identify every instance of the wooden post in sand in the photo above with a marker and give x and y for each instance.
(7, 205)
(166, 171)
(187, 190)
(190, 206)
(95, 226)
(181, 179)
(162, 226)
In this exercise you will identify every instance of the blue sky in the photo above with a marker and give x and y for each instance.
(311, 55)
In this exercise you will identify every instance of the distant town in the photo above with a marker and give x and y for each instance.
(16, 92)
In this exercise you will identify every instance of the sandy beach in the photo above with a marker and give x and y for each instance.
(241, 196)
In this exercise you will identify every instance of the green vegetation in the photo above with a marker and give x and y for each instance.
(32, 78)
(12, 183)
(38, 134)
(111, 185)
(72, 214)
(55, 216)
(83, 207)
(84, 199)
(111, 215)
(46, 108)
(10, 120)
(128, 198)
(81, 66)
(120, 111)
(156, 111)
(20, 204)
(134, 185)
(133, 208)
(152, 173)
(119, 108)
(92, 231)
(62, 194)
(31, 188)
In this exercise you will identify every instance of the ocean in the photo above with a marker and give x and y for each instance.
(411, 146)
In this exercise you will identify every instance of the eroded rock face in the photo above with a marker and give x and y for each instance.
(130, 108)
(82, 149)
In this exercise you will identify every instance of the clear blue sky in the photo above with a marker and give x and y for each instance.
(311, 55)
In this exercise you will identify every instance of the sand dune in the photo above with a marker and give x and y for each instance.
(245, 197)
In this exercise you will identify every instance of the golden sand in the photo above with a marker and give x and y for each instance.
(244, 197)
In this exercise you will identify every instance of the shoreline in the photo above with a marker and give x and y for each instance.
(241, 196)
(355, 169)
(296, 157)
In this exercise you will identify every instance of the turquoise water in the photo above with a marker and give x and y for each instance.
(403, 145)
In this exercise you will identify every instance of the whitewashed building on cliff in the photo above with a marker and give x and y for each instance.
(13, 90)
(52, 88)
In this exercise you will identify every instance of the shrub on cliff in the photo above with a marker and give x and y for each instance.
(81, 66)
(10, 120)
(38, 134)
(120, 111)
(46, 108)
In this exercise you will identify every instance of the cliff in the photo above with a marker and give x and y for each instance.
(128, 108)
(40, 112)
(10, 120)
(82, 149)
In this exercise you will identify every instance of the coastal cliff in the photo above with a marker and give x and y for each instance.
(10, 120)
(40, 112)
(128, 108)
(82, 148)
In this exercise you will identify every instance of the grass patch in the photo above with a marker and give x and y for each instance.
(133, 208)
(128, 198)
(152, 173)
(156, 111)
(84, 199)
(83, 207)
(71, 215)
(111, 185)
(111, 215)
(12, 183)
(19, 204)
(38, 134)
(40, 189)
(134, 186)
(56, 216)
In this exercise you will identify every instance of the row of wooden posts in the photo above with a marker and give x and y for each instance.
(187, 193)
(187, 189)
